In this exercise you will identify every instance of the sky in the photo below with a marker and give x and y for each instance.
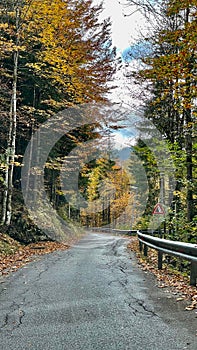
(125, 25)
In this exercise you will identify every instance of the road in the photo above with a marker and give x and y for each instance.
(92, 296)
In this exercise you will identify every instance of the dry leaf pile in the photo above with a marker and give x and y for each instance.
(23, 254)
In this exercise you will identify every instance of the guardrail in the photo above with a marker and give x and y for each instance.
(113, 230)
(183, 250)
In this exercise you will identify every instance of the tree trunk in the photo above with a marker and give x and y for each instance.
(13, 144)
(5, 193)
(11, 148)
(189, 164)
(188, 140)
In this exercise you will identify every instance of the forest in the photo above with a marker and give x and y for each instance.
(168, 76)
(57, 55)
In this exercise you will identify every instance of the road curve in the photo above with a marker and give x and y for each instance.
(90, 297)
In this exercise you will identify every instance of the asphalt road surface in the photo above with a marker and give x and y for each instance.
(91, 297)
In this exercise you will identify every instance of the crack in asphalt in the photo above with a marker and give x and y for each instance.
(21, 315)
(121, 282)
(144, 308)
(5, 321)
(141, 308)
(14, 318)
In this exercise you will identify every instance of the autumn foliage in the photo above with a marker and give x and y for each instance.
(55, 54)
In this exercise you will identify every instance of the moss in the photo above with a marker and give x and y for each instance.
(8, 245)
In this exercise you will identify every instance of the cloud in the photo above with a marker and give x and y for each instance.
(125, 27)
(122, 140)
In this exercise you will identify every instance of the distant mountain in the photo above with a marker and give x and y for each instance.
(122, 154)
(137, 51)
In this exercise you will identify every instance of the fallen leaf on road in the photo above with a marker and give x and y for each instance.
(25, 254)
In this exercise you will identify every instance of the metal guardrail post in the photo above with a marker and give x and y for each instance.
(193, 273)
(145, 250)
(160, 260)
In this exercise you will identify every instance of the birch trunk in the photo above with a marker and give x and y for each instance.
(13, 143)
(11, 148)
(5, 193)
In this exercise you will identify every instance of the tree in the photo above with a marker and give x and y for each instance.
(55, 54)
(13, 47)
(170, 69)
(107, 192)
(74, 48)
